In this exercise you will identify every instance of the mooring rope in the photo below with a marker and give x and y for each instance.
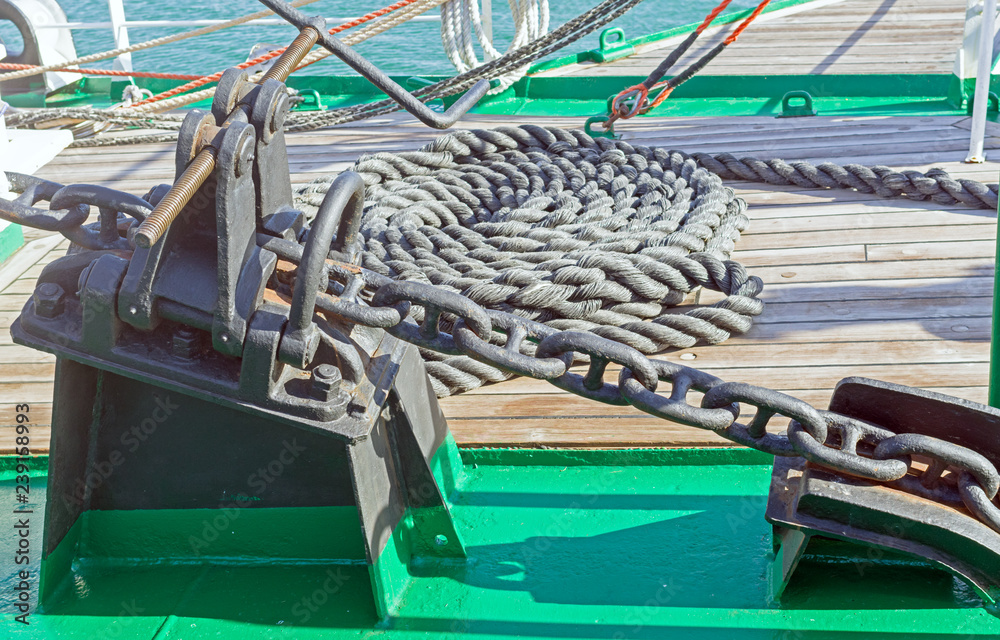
(936, 185)
(262, 58)
(553, 225)
(108, 72)
(462, 27)
(148, 44)
(569, 32)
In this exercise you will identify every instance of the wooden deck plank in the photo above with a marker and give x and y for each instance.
(854, 284)
(850, 36)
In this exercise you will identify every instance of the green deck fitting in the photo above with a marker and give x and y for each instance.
(614, 46)
(647, 544)
(792, 108)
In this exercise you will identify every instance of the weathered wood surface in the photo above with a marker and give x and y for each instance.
(820, 37)
(855, 285)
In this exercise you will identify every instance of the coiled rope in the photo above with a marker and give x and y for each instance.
(462, 27)
(556, 226)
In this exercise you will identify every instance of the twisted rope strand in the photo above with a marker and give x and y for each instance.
(556, 226)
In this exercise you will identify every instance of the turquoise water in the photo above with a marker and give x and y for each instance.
(412, 47)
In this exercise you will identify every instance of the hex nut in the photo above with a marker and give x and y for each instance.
(325, 382)
(186, 343)
(49, 299)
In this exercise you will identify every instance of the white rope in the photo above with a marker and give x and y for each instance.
(93, 57)
(462, 29)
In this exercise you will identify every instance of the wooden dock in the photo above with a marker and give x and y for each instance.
(854, 284)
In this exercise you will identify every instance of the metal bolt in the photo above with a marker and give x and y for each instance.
(48, 299)
(167, 209)
(325, 382)
(187, 342)
(244, 156)
(278, 115)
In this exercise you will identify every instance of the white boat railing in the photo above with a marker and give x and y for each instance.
(978, 58)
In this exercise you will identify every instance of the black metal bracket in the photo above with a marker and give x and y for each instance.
(204, 323)
(807, 501)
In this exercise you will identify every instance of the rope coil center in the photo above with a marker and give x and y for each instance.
(558, 227)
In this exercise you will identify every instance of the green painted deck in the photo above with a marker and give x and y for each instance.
(668, 544)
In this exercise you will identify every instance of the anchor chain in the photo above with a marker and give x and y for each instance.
(918, 464)
(923, 465)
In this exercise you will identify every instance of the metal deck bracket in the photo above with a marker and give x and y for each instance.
(208, 333)
(588, 128)
(806, 500)
(803, 109)
(613, 47)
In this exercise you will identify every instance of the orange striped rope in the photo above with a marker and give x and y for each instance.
(667, 87)
(746, 23)
(203, 80)
(10, 66)
(667, 90)
(712, 16)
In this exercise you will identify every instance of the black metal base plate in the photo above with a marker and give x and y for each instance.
(806, 501)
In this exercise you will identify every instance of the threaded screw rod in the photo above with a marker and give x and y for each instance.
(167, 209)
(293, 55)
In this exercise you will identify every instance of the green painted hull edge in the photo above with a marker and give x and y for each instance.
(448, 461)
(640, 543)
(11, 239)
(855, 95)
(615, 457)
